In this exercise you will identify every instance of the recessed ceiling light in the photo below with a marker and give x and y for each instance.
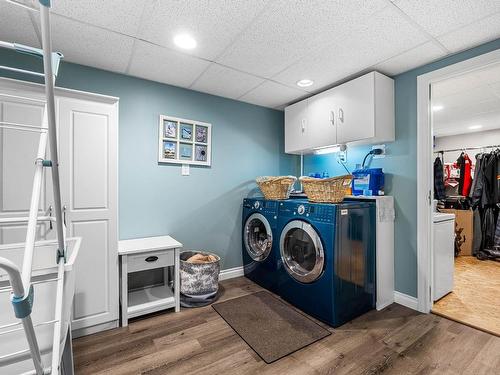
(185, 41)
(474, 127)
(305, 83)
(436, 108)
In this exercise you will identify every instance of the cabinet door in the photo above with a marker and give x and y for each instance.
(88, 149)
(321, 125)
(295, 126)
(356, 109)
(18, 151)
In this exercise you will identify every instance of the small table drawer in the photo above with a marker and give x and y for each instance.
(147, 261)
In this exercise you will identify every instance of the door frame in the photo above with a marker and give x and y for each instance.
(425, 185)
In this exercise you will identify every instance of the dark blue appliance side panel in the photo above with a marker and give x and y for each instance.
(354, 280)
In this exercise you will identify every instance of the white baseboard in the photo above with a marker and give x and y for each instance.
(406, 300)
(231, 273)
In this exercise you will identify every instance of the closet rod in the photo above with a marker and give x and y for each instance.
(466, 148)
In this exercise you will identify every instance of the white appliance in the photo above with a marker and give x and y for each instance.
(444, 253)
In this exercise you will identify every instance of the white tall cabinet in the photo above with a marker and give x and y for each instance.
(360, 111)
(88, 156)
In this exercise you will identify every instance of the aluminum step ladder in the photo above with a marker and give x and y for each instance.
(21, 279)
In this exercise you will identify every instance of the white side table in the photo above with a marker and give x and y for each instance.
(145, 254)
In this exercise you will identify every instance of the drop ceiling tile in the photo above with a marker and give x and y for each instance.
(163, 65)
(385, 34)
(475, 81)
(222, 81)
(89, 45)
(439, 17)
(123, 16)
(272, 94)
(16, 26)
(289, 30)
(472, 35)
(413, 58)
(470, 96)
(213, 23)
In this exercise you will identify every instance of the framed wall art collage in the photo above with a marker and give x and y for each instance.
(183, 141)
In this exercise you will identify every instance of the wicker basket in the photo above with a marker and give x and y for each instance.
(276, 187)
(327, 190)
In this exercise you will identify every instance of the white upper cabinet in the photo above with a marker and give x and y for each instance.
(357, 112)
(295, 126)
(322, 118)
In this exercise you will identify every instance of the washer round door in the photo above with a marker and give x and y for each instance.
(258, 237)
(301, 251)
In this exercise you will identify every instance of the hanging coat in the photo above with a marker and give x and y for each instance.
(466, 176)
(439, 190)
(461, 164)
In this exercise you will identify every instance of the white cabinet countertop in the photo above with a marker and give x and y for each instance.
(139, 245)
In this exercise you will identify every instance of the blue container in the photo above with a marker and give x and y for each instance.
(368, 181)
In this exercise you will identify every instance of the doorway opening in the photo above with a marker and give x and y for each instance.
(462, 264)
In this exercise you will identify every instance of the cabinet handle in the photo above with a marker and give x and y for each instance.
(332, 118)
(341, 115)
(151, 259)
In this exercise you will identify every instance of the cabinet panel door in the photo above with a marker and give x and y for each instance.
(295, 126)
(356, 109)
(321, 125)
(17, 159)
(88, 149)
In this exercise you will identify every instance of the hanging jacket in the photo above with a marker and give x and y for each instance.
(477, 183)
(466, 176)
(439, 190)
(461, 164)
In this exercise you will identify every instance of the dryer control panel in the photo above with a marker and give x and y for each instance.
(321, 212)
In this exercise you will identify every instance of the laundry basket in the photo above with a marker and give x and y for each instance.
(276, 187)
(199, 279)
(326, 190)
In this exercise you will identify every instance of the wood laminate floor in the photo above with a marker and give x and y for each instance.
(475, 299)
(396, 340)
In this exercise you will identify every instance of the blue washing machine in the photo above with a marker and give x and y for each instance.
(260, 239)
(327, 258)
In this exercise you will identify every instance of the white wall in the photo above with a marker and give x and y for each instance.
(470, 139)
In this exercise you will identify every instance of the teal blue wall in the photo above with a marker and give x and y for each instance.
(401, 166)
(202, 210)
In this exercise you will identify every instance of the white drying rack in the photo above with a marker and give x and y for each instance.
(32, 265)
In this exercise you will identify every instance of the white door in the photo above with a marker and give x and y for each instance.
(295, 126)
(356, 109)
(88, 163)
(322, 129)
(17, 166)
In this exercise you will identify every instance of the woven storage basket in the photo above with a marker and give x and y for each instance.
(326, 190)
(276, 187)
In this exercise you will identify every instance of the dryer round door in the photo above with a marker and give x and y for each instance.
(258, 237)
(301, 251)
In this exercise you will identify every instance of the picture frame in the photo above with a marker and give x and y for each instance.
(184, 141)
(186, 132)
(170, 129)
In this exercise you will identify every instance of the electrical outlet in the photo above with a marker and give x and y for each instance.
(185, 170)
(382, 155)
(342, 156)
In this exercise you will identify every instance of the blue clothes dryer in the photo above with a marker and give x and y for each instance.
(260, 251)
(327, 258)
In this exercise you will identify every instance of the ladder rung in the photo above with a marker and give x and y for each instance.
(17, 220)
(16, 3)
(22, 127)
(23, 71)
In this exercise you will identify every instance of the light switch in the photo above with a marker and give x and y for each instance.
(185, 169)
